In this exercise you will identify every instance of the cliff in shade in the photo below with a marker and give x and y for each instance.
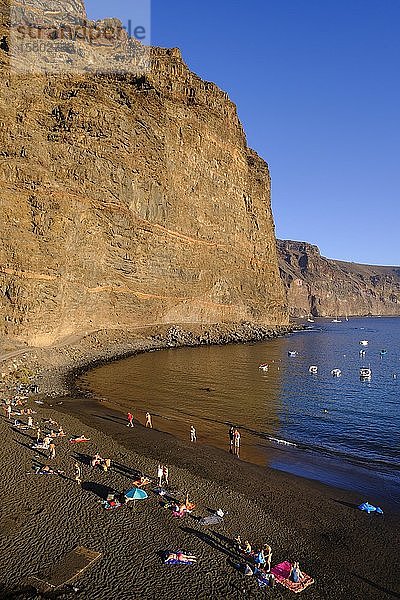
(323, 287)
(128, 200)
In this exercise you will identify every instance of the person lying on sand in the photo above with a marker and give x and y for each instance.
(295, 574)
(44, 470)
(79, 438)
(181, 557)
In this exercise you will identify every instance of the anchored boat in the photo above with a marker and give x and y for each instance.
(313, 369)
(336, 372)
(365, 373)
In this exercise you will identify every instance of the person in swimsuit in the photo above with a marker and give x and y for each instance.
(295, 573)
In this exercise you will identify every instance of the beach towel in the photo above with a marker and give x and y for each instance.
(68, 568)
(110, 504)
(211, 520)
(282, 572)
(139, 482)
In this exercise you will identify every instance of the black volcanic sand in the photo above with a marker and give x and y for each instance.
(351, 555)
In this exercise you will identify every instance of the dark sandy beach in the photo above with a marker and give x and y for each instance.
(350, 554)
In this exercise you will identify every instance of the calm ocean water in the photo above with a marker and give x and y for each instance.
(340, 431)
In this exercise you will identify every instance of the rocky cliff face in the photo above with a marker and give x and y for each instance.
(128, 200)
(322, 287)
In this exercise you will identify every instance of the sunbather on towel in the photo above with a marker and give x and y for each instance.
(44, 470)
(79, 438)
(295, 574)
(180, 557)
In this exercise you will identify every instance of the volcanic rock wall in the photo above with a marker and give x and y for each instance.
(323, 287)
(129, 200)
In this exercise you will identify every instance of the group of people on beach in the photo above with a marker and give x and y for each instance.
(234, 440)
(256, 560)
(162, 475)
(148, 420)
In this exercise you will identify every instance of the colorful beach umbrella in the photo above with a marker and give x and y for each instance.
(136, 494)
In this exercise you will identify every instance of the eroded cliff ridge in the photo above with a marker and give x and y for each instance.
(129, 199)
(322, 287)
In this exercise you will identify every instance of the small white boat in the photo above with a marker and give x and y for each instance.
(337, 320)
(365, 373)
(313, 369)
(364, 343)
(336, 372)
(264, 367)
(292, 353)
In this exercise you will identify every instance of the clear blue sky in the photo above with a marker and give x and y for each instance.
(317, 85)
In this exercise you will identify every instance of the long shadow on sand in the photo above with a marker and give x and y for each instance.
(377, 587)
(84, 459)
(343, 503)
(217, 542)
(35, 450)
(98, 489)
(113, 418)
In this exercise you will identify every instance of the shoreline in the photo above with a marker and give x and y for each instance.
(302, 519)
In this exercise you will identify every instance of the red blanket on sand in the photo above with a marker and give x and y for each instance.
(282, 572)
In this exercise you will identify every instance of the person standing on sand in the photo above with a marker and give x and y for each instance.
(37, 434)
(160, 471)
(165, 474)
(148, 420)
(231, 436)
(236, 437)
(78, 473)
(52, 450)
(130, 419)
(106, 464)
(193, 437)
(267, 550)
(9, 410)
(30, 422)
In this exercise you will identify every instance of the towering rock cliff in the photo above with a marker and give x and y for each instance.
(323, 287)
(129, 199)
